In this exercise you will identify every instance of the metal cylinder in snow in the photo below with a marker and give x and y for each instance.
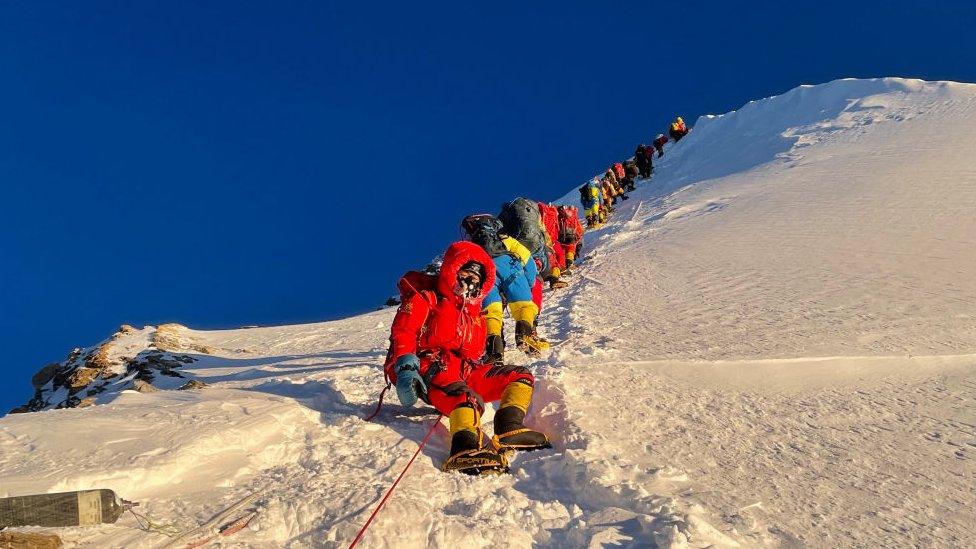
(80, 508)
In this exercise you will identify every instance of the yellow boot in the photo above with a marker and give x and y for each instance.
(528, 341)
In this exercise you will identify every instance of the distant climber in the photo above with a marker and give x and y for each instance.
(591, 198)
(659, 142)
(609, 199)
(612, 192)
(436, 340)
(618, 170)
(631, 173)
(678, 129)
(613, 185)
(642, 157)
(557, 263)
(570, 235)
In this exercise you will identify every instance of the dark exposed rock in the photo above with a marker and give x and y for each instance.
(92, 371)
(45, 374)
(143, 386)
(28, 540)
(81, 377)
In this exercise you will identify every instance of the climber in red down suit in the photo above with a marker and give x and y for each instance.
(436, 343)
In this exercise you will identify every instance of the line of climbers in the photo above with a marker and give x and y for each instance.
(599, 195)
(447, 344)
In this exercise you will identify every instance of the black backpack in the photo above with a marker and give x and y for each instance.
(522, 220)
(483, 229)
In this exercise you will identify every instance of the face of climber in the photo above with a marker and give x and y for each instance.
(468, 281)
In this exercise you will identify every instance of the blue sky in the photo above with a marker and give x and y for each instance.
(227, 163)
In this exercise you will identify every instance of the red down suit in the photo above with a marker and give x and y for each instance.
(550, 220)
(447, 333)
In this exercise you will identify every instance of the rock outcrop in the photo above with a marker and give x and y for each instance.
(131, 359)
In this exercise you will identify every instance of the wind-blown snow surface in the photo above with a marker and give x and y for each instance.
(773, 343)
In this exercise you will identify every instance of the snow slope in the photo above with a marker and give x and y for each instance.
(773, 343)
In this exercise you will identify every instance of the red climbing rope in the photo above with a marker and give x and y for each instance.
(395, 482)
(380, 403)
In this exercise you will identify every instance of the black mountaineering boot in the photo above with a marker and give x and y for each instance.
(467, 453)
(495, 349)
(510, 433)
(468, 458)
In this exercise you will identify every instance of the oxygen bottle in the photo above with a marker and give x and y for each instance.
(80, 508)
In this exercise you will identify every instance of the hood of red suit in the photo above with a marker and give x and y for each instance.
(455, 257)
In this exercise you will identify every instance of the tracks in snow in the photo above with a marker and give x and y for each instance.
(609, 501)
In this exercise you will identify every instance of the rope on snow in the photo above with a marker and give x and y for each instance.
(394, 485)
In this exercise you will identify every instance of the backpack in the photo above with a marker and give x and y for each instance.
(522, 221)
(412, 283)
(416, 282)
(567, 225)
(483, 229)
(619, 169)
(550, 220)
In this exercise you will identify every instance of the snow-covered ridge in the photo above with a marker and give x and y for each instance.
(772, 343)
(765, 130)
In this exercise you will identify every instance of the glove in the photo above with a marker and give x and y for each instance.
(409, 386)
